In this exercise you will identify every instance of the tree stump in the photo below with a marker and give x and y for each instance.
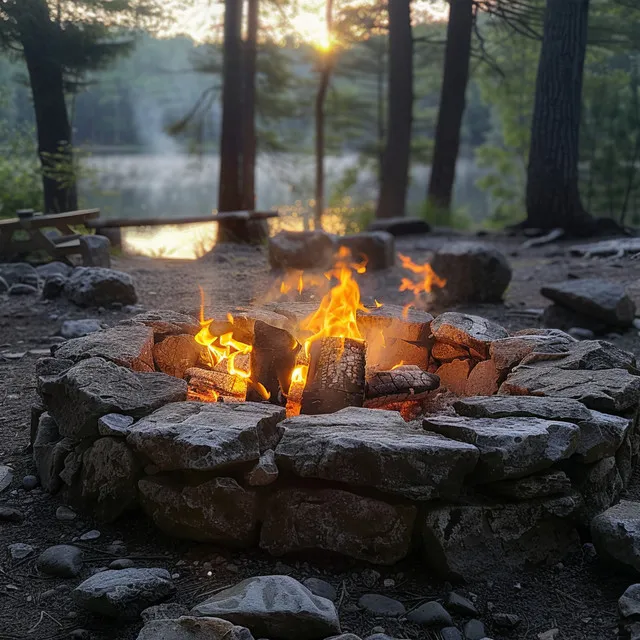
(336, 376)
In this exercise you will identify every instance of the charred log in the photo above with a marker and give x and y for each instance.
(273, 359)
(401, 383)
(336, 376)
(205, 384)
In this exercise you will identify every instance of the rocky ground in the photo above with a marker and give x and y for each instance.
(578, 597)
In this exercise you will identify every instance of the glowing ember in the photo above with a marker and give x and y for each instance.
(296, 388)
(427, 279)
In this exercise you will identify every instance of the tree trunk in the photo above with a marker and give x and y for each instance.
(249, 127)
(326, 67)
(230, 190)
(553, 199)
(52, 119)
(395, 163)
(452, 104)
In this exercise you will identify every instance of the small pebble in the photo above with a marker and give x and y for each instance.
(381, 605)
(65, 514)
(474, 630)
(450, 633)
(47, 594)
(460, 605)
(321, 588)
(29, 483)
(94, 534)
(431, 614)
(552, 634)
(62, 561)
(122, 563)
(8, 514)
(234, 568)
(80, 634)
(506, 620)
(18, 551)
(389, 583)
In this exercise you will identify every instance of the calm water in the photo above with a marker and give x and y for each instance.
(173, 184)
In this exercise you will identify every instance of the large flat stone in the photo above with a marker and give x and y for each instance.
(506, 353)
(129, 346)
(192, 628)
(206, 436)
(510, 447)
(93, 388)
(302, 520)
(548, 483)
(165, 322)
(602, 299)
(601, 434)
(613, 390)
(468, 542)
(274, 606)
(470, 331)
(218, 510)
(616, 534)
(376, 449)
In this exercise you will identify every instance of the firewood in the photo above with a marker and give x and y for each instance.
(336, 376)
(175, 354)
(399, 385)
(273, 359)
(203, 381)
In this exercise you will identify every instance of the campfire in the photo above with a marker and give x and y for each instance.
(340, 354)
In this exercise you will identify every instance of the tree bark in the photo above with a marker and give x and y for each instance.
(395, 163)
(249, 127)
(326, 67)
(452, 104)
(552, 198)
(52, 118)
(230, 189)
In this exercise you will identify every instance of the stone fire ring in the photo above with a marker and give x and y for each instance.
(528, 438)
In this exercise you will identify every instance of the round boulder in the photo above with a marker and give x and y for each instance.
(301, 250)
(474, 273)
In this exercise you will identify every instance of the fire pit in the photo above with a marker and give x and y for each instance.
(365, 432)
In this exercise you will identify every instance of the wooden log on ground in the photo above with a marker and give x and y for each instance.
(273, 359)
(406, 383)
(202, 382)
(336, 376)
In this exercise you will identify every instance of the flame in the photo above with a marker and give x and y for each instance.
(378, 304)
(284, 287)
(299, 375)
(261, 389)
(429, 278)
(296, 389)
(397, 366)
(300, 284)
(336, 315)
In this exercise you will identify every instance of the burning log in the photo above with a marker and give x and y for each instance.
(208, 384)
(336, 376)
(273, 359)
(406, 383)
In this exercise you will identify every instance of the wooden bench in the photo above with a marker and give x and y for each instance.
(234, 226)
(33, 225)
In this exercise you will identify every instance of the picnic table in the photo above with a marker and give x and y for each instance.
(34, 225)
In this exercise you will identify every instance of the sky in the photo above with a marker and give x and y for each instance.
(306, 23)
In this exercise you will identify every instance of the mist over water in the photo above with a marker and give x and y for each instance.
(165, 183)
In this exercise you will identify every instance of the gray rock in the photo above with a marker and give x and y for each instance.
(19, 550)
(165, 611)
(460, 605)
(64, 514)
(61, 561)
(299, 520)
(616, 534)
(6, 477)
(506, 353)
(95, 251)
(506, 620)
(4, 286)
(49, 453)
(629, 604)
(450, 633)
(372, 448)
(94, 534)
(95, 287)
(218, 510)
(115, 424)
(400, 226)
(165, 322)
(80, 328)
(274, 606)
(301, 250)
(53, 286)
(265, 471)
(94, 388)
(22, 290)
(430, 614)
(321, 588)
(80, 634)
(122, 563)
(128, 346)
(54, 268)
(376, 248)
(206, 436)
(469, 541)
(601, 434)
(470, 331)
(29, 483)
(604, 300)
(614, 390)
(123, 593)
(540, 485)
(474, 630)
(510, 447)
(19, 273)
(345, 636)
(560, 317)
(108, 478)
(191, 628)
(380, 605)
(474, 273)
(9, 514)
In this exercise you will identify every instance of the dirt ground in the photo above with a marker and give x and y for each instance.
(578, 596)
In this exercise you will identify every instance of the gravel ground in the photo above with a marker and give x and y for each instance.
(578, 597)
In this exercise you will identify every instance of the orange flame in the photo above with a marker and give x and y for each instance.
(378, 304)
(397, 366)
(429, 277)
(300, 284)
(336, 315)
(284, 287)
(299, 375)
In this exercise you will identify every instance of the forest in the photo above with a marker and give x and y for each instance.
(541, 99)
